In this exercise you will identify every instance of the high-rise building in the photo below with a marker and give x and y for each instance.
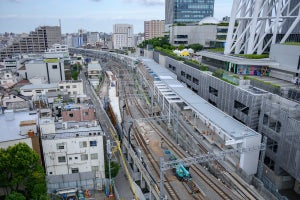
(36, 42)
(123, 36)
(186, 11)
(154, 28)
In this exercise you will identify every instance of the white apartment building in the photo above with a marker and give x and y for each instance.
(123, 36)
(72, 147)
(73, 87)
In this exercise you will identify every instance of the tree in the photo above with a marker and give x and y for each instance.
(15, 196)
(20, 170)
(114, 168)
(196, 47)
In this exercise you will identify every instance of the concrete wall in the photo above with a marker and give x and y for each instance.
(54, 74)
(196, 34)
(287, 55)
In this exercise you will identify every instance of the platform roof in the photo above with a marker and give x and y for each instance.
(229, 125)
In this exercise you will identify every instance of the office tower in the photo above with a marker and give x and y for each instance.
(37, 41)
(154, 28)
(187, 11)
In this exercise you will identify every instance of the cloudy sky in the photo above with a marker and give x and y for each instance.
(23, 16)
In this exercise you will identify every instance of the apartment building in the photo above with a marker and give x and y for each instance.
(37, 41)
(123, 36)
(94, 73)
(154, 28)
(72, 147)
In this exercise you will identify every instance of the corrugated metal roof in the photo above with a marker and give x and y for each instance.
(232, 127)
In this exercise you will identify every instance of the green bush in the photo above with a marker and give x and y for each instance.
(218, 73)
(254, 56)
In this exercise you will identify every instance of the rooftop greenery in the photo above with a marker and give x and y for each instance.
(51, 60)
(254, 56)
(292, 43)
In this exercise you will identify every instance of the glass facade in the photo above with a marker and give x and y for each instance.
(186, 11)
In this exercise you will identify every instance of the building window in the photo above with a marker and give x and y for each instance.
(75, 170)
(60, 146)
(54, 66)
(68, 87)
(86, 113)
(182, 73)
(61, 159)
(61, 87)
(243, 108)
(189, 77)
(74, 86)
(95, 168)
(213, 91)
(76, 158)
(94, 156)
(93, 143)
(71, 115)
(196, 81)
(84, 156)
(50, 172)
(272, 145)
(265, 119)
(83, 144)
(70, 158)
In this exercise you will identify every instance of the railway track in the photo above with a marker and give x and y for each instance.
(141, 142)
(211, 181)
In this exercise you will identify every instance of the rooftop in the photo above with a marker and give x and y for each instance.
(230, 126)
(40, 86)
(10, 123)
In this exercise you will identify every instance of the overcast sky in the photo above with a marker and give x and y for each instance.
(23, 16)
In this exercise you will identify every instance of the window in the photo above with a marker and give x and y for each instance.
(243, 108)
(61, 159)
(95, 168)
(74, 86)
(213, 91)
(54, 66)
(75, 170)
(83, 144)
(93, 143)
(70, 158)
(76, 158)
(71, 115)
(189, 77)
(61, 87)
(50, 172)
(196, 81)
(265, 119)
(94, 156)
(272, 145)
(60, 146)
(84, 156)
(182, 73)
(68, 87)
